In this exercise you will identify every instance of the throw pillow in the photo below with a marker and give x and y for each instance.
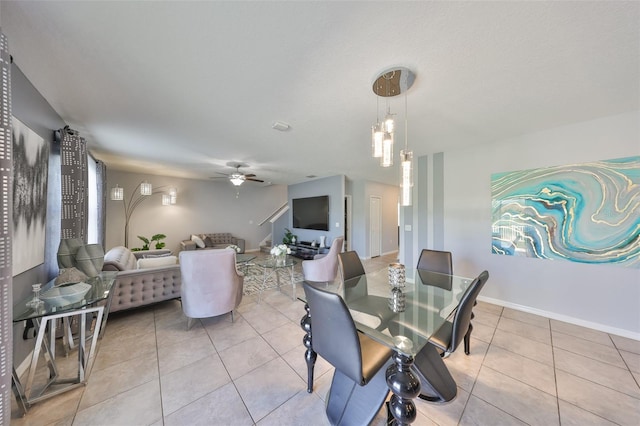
(158, 261)
(153, 256)
(208, 242)
(198, 241)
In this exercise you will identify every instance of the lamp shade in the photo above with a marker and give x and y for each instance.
(117, 193)
(173, 194)
(146, 188)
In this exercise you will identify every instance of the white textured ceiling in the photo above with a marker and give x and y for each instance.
(181, 88)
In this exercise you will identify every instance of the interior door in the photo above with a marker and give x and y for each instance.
(375, 225)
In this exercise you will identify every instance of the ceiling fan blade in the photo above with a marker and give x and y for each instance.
(250, 175)
(221, 173)
(254, 180)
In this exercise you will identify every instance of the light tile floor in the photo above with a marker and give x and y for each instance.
(523, 369)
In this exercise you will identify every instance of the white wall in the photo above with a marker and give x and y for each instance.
(202, 207)
(599, 296)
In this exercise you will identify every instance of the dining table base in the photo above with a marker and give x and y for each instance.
(405, 386)
(310, 355)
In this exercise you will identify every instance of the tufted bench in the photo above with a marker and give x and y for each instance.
(138, 287)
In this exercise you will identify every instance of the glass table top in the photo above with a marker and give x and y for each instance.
(404, 318)
(100, 288)
(244, 258)
(270, 262)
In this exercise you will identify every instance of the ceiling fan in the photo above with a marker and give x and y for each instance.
(237, 178)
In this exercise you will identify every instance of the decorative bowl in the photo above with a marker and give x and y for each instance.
(65, 295)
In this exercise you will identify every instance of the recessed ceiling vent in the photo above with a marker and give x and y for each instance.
(279, 125)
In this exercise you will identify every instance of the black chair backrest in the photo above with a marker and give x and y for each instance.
(462, 317)
(334, 334)
(350, 265)
(435, 261)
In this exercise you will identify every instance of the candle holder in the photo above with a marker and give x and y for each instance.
(397, 301)
(396, 275)
(35, 301)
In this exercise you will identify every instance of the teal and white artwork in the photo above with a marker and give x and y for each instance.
(588, 213)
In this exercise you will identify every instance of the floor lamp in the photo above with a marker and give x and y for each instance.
(143, 190)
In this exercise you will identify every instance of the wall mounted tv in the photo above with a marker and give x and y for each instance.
(311, 213)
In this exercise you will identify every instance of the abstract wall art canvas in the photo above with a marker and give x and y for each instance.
(30, 170)
(588, 213)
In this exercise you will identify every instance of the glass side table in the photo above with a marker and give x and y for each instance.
(45, 316)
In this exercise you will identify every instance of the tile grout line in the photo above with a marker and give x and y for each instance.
(476, 379)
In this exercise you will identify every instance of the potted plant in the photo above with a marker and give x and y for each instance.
(157, 238)
(289, 238)
(145, 246)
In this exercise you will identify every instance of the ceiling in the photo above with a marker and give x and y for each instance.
(182, 88)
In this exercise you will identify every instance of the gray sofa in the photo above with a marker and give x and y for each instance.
(212, 241)
(138, 287)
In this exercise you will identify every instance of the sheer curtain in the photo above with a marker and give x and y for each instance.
(6, 280)
(96, 197)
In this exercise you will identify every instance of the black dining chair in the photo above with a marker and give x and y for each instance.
(437, 383)
(350, 265)
(356, 291)
(449, 336)
(441, 262)
(435, 261)
(359, 387)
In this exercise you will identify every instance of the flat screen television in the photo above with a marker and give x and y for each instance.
(311, 213)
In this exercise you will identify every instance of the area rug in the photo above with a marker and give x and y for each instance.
(254, 275)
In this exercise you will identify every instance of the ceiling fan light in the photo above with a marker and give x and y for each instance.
(237, 179)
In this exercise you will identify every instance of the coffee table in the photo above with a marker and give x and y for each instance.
(270, 267)
(244, 260)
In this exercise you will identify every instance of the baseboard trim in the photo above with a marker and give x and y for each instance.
(565, 318)
(24, 365)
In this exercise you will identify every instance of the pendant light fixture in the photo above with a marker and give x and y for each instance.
(390, 83)
(406, 164)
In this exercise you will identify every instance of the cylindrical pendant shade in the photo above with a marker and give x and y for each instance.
(406, 177)
(376, 140)
(387, 151)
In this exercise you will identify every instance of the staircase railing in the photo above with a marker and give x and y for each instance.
(276, 214)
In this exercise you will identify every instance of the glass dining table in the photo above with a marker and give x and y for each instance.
(401, 318)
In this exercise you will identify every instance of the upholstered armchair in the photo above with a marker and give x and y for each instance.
(211, 284)
(323, 267)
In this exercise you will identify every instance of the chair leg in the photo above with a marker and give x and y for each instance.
(231, 316)
(467, 339)
(190, 322)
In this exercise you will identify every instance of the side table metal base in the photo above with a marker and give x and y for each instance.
(25, 394)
